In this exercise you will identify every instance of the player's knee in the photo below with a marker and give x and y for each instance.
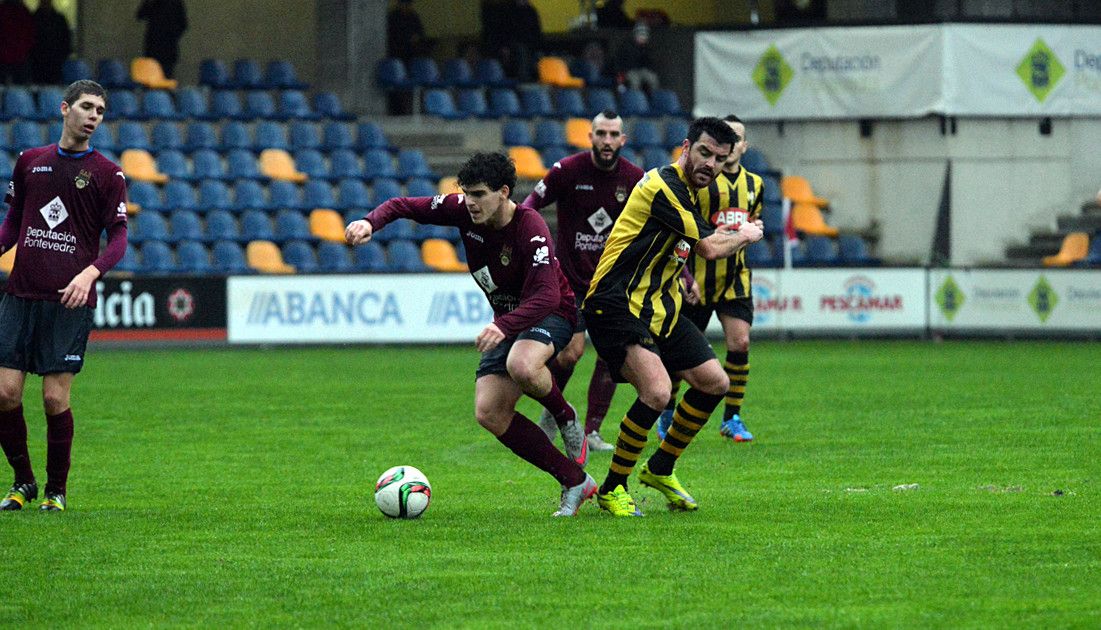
(11, 396)
(54, 402)
(655, 397)
(522, 370)
(715, 382)
(741, 344)
(491, 419)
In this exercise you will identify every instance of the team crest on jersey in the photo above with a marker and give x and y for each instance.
(506, 255)
(682, 250)
(54, 212)
(600, 220)
(82, 179)
(620, 193)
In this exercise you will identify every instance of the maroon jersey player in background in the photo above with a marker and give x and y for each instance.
(61, 198)
(589, 190)
(511, 256)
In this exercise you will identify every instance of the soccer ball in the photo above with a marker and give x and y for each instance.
(403, 492)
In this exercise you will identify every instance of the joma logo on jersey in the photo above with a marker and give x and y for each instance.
(42, 169)
(734, 217)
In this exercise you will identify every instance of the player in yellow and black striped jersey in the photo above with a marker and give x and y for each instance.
(725, 286)
(633, 312)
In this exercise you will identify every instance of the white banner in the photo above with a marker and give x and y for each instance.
(1029, 301)
(428, 308)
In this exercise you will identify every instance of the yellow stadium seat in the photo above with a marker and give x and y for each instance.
(138, 165)
(577, 133)
(807, 218)
(441, 255)
(7, 260)
(554, 71)
(448, 185)
(1075, 247)
(327, 225)
(674, 155)
(278, 164)
(798, 189)
(529, 165)
(148, 72)
(265, 257)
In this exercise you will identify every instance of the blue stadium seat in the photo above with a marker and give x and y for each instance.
(256, 226)
(378, 163)
(503, 103)
(53, 131)
(201, 135)
(405, 256)
(112, 73)
(569, 104)
(854, 252)
(424, 231)
(213, 73)
(645, 133)
(143, 194)
(75, 69)
(460, 250)
(146, 226)
(385, 188)
(490, 73)
(587, 71)
(516, 133)
(180, 195)
(675, 133)
(551, 155)
(1093, 254)
(370, 136)
(214, 195)
(193, 258)
(191, 103)
(280, 74)
(206, 164)
(337, 136)
(293, 105)
(772, 213)
(110, 155)
(424, 72)
(184, 225)
(457, 72)
(438, 102)
(291, 224)
(301, 256)
(654, 157)
(271, 135)
(221, 226)
(241, 164)
(260, 105)
(472, 102)
(158, 105)
(549, 133)
(371, 258)
(125, 106)
(343, 163)
(235, 135)
(132, 135)
(772, 189)
(535, 101)
(666, 103)
(755, 161)
(420, 187)
(392, 75)
(629, 154)
(633, 102)
(353, 194)
(412, 163)
(166, 135)
(229, 258)
(130, 262)
(247, 75)
(399, 230)
(601, 99)
(318, 194)
(157, 258)
(311, 162)
(328, 105)
(284, 195)
(248, 194)
(49, 103)
(25, 135)
(333, 257)
(820, 251)
(225, 104)
(19, 104)
(759, 255)
(173, 164)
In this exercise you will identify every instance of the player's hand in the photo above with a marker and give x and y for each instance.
(752, 232)
(358, 232)
(490, 337)
(692, 293)
(76, 294)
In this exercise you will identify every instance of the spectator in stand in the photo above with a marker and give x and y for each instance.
(165, 24)
(514, 34)
(17, 37)
(405, 37)
(634, 63)
(53, 44)
(610, 14)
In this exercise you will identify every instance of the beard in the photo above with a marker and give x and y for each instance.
(601, 162)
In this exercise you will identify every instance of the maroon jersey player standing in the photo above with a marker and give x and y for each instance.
(61, 198)
(511, 256)
(589, 190)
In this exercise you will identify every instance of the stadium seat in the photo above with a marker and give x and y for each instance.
(412, 163)
(271, 135)
(328, 105)
(54, 128)
(174, 165)
(213, 73)
(184, 225)
(200, 135)
(228, 258)
(256, 226)
(1075, 247)
(398, 230)
(247, 75)
(633, 102)
(353, 194)
(311, 163)
(125, 105)
(132, 135)
(337, 136)
(19, 104)
(589, 72)
(241, 164)
(301, 256)
(425, 231)
(654, 157)
(577, 133)
(516, 133)
(448, 185)
(285, 195)
(193, 258)
(225, 104)
(166, 135)
(405, 256)
(333, 257)
(629, 154)
(129, 264)
(666, 103)
(423, 72)
(535, 102)
(554, 71)
(280, 74)
(344, 163)
(305, 135)
(549, 133)
(138, 165)
(420, 187)
(503, 103)
(384, 189)
(75, 69)
(457, 72)
(819, 251)
(180, 195)
(854, 252)
(235, 135)
(293, 105)
(278, 164)
(440, 255)
(772, 213)
(214, 195)
(157, 258)
(799, 190)
(221, 226)
(569, 104)
(490, 73)
(529, 165)
(754, 161)
(317, 194)
(25, 135)
(370, 136)
(759, 255)
(601, 99)
(378, 163)
(147, 226)
(370, 257)
(1093, 257)
(248, 194)
(644, 133)
(807, 218)
(327, 225)
(438, 102)
(291, 225)
(265, 257)
(472, 102)
(49, 103)
(147, 72)
(143, 196)
(772, 189)
(675, 133)
(111, 74)
(551, 155)
(390, 74)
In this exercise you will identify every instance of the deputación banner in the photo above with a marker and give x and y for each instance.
(1007, 300)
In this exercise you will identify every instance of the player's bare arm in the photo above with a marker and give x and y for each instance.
(358, 232)
(726, 241)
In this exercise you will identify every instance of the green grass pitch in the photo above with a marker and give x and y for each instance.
(234, 488)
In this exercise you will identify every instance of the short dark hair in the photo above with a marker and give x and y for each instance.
(732, 118)
(83, 86)
(609, 113)
(714, 127)
(492, 169)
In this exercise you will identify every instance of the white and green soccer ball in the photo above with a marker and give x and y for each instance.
(403, 492)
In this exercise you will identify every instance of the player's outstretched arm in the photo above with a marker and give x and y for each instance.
(358, 232)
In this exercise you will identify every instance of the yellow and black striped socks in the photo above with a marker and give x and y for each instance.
(691, 414)
(737, 368)
(628, 448)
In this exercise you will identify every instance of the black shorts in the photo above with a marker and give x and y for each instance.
(554, 330)
(683, 349)
(700, 314)
(42, 337)
(579, 327)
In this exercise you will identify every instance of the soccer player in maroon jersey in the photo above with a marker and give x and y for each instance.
(511, 256)
(589, 190)
(61, 198)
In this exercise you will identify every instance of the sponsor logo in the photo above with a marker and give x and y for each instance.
(506, 255)
(63, 242)
(42, 169)
(589, 242)
(950, 298)
(123, 309)
(72, 357)
(583, 187)
(1040, 70)
(860, 301)
(54, 212)
(485, 280)
(734, 217)
(541, 257)
(540, 331)
(181, 305)
(620, 193)
(1043, 299)
(772, 74)
(840, 64)
(600, 220)
(82, 179)
(475, 237)
(296, 308)
(452, 307)
(768, 303)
